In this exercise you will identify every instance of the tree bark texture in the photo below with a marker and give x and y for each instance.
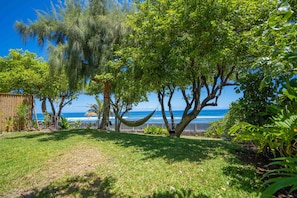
(106, 106)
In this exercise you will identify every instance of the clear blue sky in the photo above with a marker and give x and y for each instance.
(23, 10)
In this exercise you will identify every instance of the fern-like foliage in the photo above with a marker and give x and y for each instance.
(285, 177)
(280, 136)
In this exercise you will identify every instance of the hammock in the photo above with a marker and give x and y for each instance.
(136, 122)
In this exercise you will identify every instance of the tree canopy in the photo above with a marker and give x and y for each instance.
(22, 72)
(194, 46)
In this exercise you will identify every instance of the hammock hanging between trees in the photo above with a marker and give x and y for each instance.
(136, 122)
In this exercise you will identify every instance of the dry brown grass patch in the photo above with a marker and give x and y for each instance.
(78, 160)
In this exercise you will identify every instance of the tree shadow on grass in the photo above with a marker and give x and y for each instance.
(170, 149)
(89, 185)
(243, 178)
(178, 194)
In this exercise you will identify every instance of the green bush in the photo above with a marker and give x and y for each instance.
(215, 129)
(153, 129)
(277, 137)
(64, 124)
(220, 128)
(77, 124)
(22, 119)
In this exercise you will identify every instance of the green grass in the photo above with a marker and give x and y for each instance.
(89, 163)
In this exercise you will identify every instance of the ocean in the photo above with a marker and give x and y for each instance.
(205, 116)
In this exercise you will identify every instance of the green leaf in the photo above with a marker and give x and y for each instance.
(278, 184)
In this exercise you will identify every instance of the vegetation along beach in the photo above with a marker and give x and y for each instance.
(149, 98)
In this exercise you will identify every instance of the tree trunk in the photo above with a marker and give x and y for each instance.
(43, 105)
(161, 95)
(53, 116)
(180, 127)
(118, 126)
(170, 109)
(106, 107)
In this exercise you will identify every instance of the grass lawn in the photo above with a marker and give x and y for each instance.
(90, 163)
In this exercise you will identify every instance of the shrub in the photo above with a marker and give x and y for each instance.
(22, 119)
(153, 129)
(220, 128)
(9, 124)
(64, 124)
(215, 129)
(77, 124)
(279, 138)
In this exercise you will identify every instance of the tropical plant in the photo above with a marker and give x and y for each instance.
(63, 123)
(280, 135)
(9, 124)
(279, 138)
(96, 109)
(283, 178)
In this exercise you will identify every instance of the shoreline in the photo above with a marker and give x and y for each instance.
(196, 127)
(192, 129)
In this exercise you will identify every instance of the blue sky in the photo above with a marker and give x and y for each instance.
(24, 10)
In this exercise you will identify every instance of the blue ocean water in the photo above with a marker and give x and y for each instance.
(205, 116)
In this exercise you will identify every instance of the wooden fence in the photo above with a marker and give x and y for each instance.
(8, 104)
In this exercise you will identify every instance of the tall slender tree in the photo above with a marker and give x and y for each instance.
(88, 32)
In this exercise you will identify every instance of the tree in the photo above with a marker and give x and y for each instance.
(87, 31)
(197, 49)
(21, 72)
(56, 90)
(274, 42)
(258, 98)
(124, 90)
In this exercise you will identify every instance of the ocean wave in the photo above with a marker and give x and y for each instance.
(87, 118)
(209, 117)
(137, 118)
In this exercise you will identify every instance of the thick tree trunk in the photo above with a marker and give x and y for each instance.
(106, 107)
(185, 121)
